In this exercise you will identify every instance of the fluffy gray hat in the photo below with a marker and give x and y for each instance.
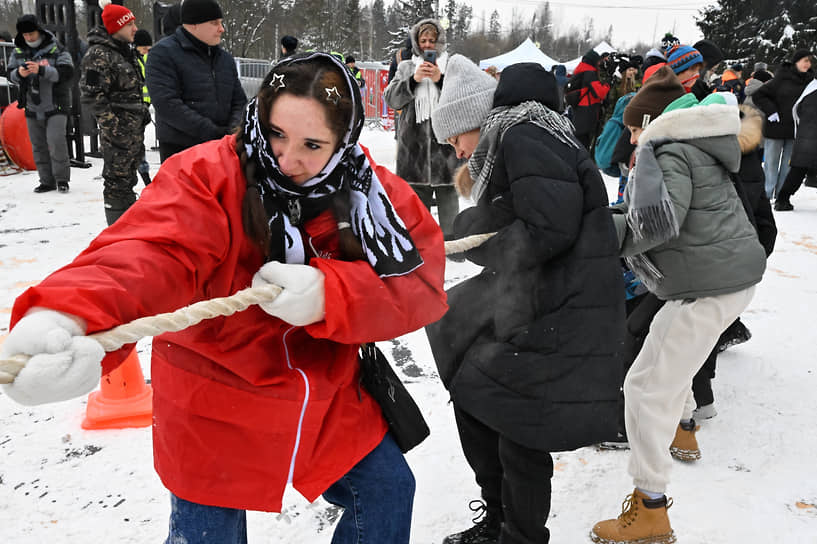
(465, 101)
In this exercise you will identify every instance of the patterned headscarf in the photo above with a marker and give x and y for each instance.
(374, 221)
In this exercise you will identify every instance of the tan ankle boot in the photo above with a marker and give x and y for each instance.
(684, 446)
(642, 521)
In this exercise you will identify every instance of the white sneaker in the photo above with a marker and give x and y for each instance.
(707, 411)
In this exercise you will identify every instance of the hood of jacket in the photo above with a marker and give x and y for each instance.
(751, 128)
(584, 67)
(99, 36)
(713, 129)
(48, 39)
(790, 72)
(442, 45)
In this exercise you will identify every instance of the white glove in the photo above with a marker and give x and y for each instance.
(302, 300)
(774, 118)
(64, 362)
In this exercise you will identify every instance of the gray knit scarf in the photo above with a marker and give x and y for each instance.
(481, 163)
(650, 211)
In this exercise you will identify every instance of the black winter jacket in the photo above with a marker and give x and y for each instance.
(804, 154)
(532, 346)
(195, 90)
(778, 96)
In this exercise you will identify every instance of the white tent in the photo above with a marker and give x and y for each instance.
(526, 52)
(601, 48)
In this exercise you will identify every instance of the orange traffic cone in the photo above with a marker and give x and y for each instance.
(124, 399)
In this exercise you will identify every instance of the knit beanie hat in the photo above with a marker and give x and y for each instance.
(290, 43)
(592, 58)
(465, 101)
(648, 103)
(668, 42)
(799, 54)
(762, 76)
(28, 23)
(682, 57)
(761, 66)
(142, 37)
(115, 17)
(195, 12)
(543, 87)
(711, 53)
(649, 72)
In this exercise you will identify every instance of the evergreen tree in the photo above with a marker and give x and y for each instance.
(494, 27)
(349, 29)
(758, 30)
(380, 33)
(412, 11)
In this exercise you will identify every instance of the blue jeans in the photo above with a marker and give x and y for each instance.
(776, 157)
(377, 497)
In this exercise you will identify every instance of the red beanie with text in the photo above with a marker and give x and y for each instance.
(115, 17)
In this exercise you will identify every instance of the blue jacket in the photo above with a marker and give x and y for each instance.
(195, 90)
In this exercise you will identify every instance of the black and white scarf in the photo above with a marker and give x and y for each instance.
(384, 237)
(481, 163)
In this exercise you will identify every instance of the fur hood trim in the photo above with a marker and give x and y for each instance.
(693, 123)
(751, 128)
(415, 39)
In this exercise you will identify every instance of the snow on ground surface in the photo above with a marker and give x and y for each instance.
(756, 482)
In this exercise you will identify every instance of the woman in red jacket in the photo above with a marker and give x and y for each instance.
(244, 405)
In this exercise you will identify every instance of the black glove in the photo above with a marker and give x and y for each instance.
(146, 118)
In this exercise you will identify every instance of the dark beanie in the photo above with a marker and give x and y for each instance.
(648, 103)
(592, 58)
(711, 53)
(195, 12)
(799, 54)
(142, 37)
(350, 59)
(289, 42)
(541, 86)
(762, 75)
(28, 23)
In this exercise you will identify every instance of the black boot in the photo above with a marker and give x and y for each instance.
(811, 180)
(485, 531)
(735, 334)
(782, 204)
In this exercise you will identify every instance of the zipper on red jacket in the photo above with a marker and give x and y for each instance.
(303, 407)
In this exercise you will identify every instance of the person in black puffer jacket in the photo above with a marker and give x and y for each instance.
(776, 99)
(803, 156)
(193, 83)
(530, 349)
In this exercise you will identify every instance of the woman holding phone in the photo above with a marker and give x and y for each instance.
(426, 164)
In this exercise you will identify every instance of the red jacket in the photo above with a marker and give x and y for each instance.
(244, 404)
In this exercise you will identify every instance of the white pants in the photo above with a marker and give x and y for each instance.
(657, 389)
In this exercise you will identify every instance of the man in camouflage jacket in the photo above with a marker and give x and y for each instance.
(111, 84)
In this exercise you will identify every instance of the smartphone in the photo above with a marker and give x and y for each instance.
(430, 55)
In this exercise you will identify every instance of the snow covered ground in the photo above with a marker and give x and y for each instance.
(756, 482)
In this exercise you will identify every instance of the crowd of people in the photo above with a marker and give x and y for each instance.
(275, 189)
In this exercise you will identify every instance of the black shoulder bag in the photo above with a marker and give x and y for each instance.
(406, 422)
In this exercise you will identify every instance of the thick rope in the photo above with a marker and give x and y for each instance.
(188, 316)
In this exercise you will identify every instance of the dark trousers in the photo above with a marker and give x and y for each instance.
(447, 202)
(514, 480)
(168, 149)
(702, 382)
(792, 182)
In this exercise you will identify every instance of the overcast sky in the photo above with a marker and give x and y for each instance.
(632, 20)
